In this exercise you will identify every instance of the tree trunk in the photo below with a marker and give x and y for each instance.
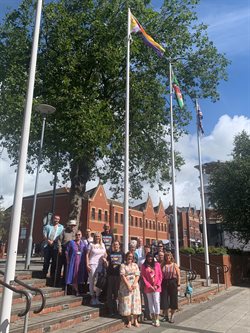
(79, 176)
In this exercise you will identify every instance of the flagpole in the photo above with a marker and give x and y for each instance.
(176, 236)
(17, 206)
(126, 169)
(203, 208)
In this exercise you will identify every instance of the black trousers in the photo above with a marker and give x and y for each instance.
(50, 254)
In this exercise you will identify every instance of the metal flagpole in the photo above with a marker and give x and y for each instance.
(176, 236)
(17, 206)
(126, 169)
(204, 221)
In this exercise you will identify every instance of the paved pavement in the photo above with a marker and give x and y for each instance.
(227, 312)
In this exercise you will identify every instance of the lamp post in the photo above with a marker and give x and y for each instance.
(44, 109)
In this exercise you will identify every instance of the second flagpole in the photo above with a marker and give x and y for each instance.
(176, 236)
(126, 160)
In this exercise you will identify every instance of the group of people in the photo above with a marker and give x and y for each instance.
(141, 276)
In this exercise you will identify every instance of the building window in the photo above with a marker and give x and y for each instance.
(93, 213)
(121, 220)
(154, 225)
(140, 222)
(132, 220)
(159, 226)
(148, 241)
(146, 224)
(99, 214)
(121, 238)
(116, 217)
(150, 224)
(162, 227)
(136, 221)
(165, 227)
(106, 216)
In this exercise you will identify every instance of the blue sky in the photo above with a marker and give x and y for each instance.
(229, 28)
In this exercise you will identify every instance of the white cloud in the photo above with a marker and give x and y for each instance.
(228, 25)
(215, 146)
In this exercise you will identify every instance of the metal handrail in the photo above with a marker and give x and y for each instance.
(36, 290)
(224, 267)
(22, 292)
(190, 273)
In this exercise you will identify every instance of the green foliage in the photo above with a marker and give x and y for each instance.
(230, 189)
(187, 250)
(81, 70)
(200, 250)
(217, 250)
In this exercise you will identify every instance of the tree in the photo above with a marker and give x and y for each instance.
(81, 71)
(230, 189)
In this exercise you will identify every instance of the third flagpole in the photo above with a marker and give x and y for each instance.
(176, 236)
(126, 166)
(203, 207)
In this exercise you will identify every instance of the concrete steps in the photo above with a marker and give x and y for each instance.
(63, 313)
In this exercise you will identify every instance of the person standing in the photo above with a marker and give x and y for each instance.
(76, 262)
(171, 286)
(146, 312)
(66, 236)
(152, 277)
(94, 260)
(51, 235)
(132, 249)
(129, 292)
(113, 264)
(107, 237)
(88, 238)
(140, 249)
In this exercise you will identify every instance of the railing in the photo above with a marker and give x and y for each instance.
(219, 268)
(28, 297)
(26, 294)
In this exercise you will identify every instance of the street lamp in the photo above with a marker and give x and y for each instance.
(44, 109)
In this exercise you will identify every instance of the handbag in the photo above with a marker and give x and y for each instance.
(189, 289)
(101, 281)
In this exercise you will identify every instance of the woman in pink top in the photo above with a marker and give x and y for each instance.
(152, 277)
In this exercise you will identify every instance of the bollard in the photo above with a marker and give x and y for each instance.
(218, 277)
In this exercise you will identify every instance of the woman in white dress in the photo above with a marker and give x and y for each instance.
(94, 260)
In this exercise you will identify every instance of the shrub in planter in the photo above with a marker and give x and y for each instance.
(217, 250)
(187, 250)
(199, 250)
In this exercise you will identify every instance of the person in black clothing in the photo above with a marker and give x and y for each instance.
(113, 263)
(107, 237)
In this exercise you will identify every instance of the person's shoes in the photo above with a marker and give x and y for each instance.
(157, 323)
(164, 319)
(153, 322)
(93, 301)
(171, 320)
(97, 302)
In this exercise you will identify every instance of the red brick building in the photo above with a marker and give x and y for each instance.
(188, 226)
(145, 221)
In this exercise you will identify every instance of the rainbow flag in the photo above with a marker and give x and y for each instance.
(177, 91)
(148, 40)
